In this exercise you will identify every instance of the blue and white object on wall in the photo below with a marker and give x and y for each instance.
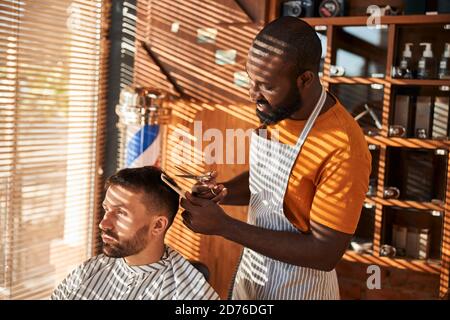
(143, 146)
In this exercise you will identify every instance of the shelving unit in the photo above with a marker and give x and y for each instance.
(384, 142)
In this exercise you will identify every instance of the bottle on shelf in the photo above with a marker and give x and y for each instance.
(444, 64)
(426, 67)
(405, 63)
(418, 243)
(423, 119)
(372, 190)
(399, 237)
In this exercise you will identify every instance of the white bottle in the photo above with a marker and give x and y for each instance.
(426, 67)
(444, 65)
(405, 63)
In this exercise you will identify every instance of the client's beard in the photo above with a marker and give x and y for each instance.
(126, 248)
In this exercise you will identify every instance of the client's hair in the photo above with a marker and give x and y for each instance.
(148, 180)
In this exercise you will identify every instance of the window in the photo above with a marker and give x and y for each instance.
(53, 63)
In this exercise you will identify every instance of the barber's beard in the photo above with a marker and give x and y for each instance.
(276, 116)
(129, 247)
(279, 113)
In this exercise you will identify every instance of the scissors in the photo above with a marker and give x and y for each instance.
(189, 175)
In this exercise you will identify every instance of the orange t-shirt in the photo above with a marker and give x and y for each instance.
(330, 177)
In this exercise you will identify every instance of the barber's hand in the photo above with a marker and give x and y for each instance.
(203, 216)
(209, 189)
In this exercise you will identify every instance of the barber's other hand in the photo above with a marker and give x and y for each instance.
(203, 216)
(209, 189)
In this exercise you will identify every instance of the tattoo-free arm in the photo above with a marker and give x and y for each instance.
(238, 191)
(320, 249)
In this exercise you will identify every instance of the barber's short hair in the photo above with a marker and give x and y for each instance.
(292, 38)
(148, 180)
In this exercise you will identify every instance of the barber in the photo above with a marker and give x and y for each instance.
(305, 192)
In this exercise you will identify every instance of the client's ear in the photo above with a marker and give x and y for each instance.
(159, 225)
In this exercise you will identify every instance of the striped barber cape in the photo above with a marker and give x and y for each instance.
(105, 278)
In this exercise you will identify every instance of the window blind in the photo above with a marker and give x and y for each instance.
(53, 64)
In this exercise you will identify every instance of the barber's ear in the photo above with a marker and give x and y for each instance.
(160, 224)
(305, 79)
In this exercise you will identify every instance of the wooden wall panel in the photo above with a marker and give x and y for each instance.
(217, 253)
(191, 64)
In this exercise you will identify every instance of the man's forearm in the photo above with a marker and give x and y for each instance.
(293, 248)
(238, 190)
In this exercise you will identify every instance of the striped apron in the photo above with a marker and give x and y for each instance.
(258, 276)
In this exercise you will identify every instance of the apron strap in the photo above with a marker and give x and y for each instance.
(312, 118)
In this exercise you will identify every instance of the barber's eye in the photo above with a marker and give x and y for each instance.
(268, 88)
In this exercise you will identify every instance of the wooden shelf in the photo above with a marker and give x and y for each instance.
(428, 266)
(362, 20)
(408, 142)
(355, 80)
(385, 81)
(406, 204)
(418, 82)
